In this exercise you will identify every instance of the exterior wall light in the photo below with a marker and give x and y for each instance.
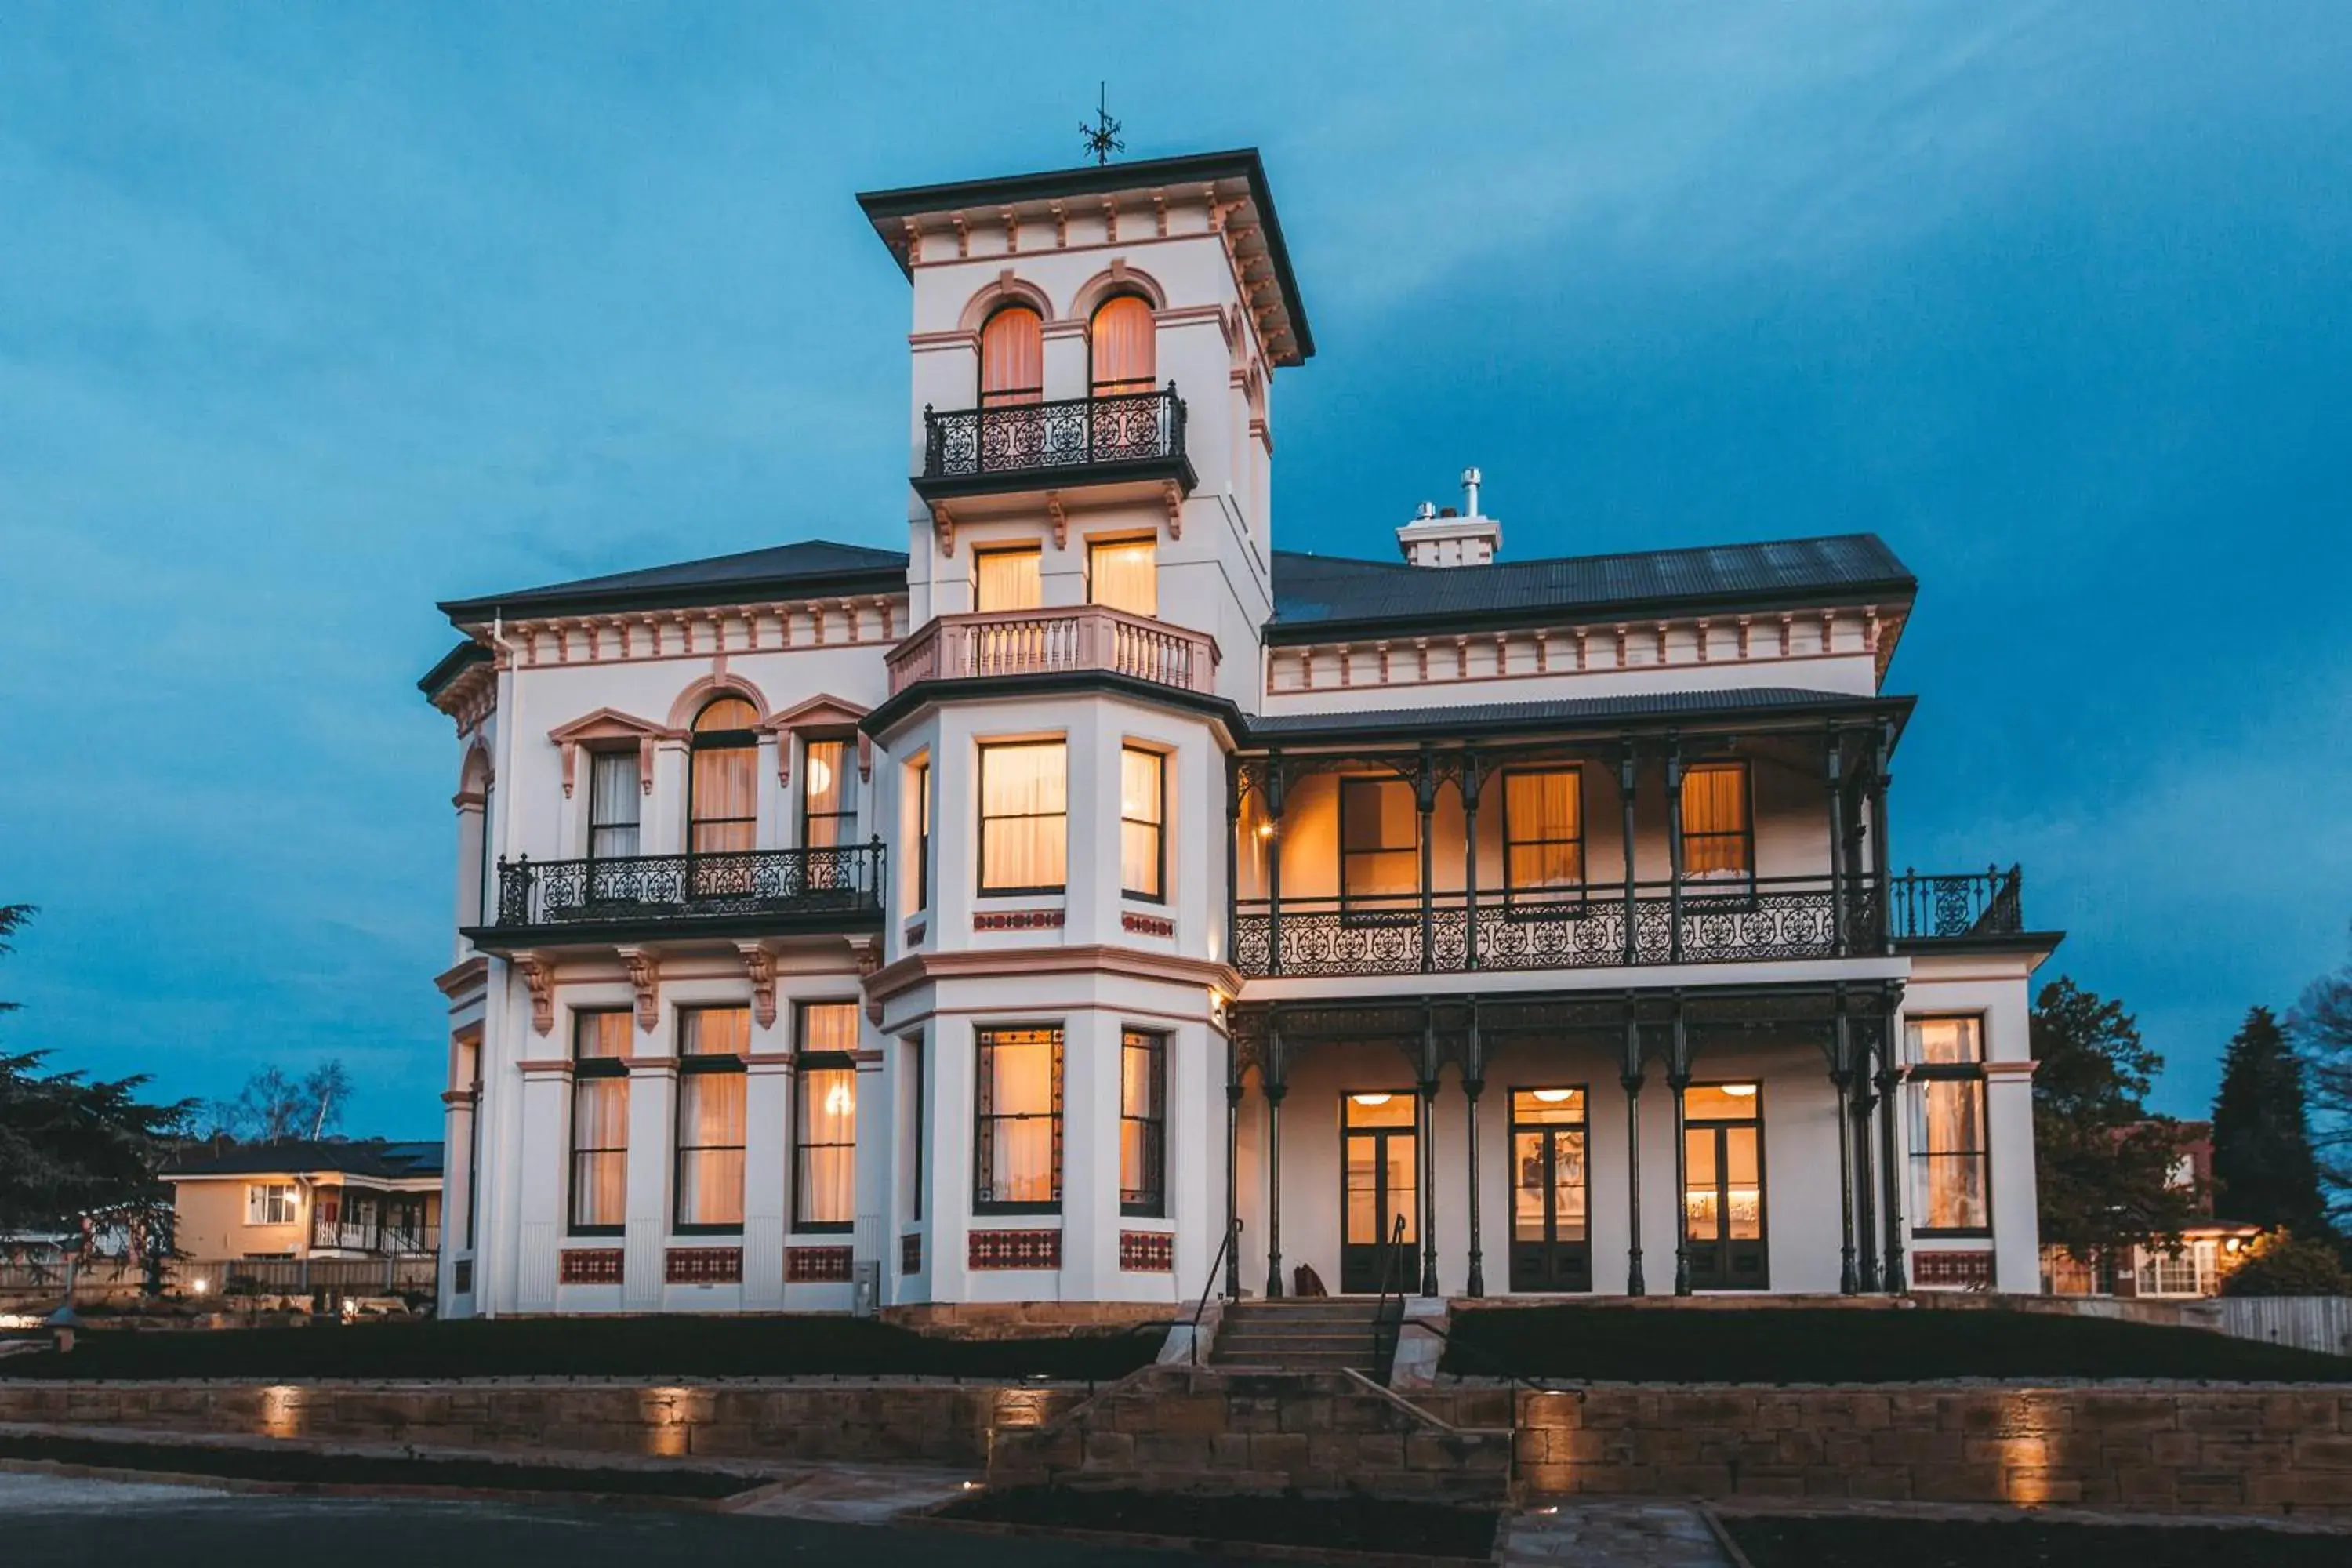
(1739, 1090)
(1369, 1102)
(1553, 1096)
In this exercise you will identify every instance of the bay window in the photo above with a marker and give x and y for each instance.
(1143, 823)
(1143, 1123)
(1018, 1107)
(1024, 818)
(1125, 575)
(1007, 579)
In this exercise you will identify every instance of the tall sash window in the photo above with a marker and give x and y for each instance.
(1024, 818)
(722, 791)
(1718, 834)
(712, 1043)
(825, 1176)
(1949, 1160)
(1119, 340)
(1018, 1140)
(615, 789)
(1011, 357)
(1125, 575)
(599, 1123)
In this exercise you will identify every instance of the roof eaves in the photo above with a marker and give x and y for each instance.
(534, 603)
(451, 665)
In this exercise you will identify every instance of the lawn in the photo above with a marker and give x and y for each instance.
(305, 1467)
(673, 1347)
(1336, 1524)
(1821, 1344)
(2035, 1543)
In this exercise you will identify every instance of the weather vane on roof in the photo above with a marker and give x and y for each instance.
(1102, 136)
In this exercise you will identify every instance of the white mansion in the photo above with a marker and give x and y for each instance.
(1019, 917)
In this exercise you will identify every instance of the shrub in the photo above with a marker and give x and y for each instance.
(2281, 1263)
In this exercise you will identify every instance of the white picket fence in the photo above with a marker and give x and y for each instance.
(2307, 1322)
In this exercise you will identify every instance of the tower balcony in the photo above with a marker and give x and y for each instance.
(1066, 640)
(1134, 438)
(715, 893)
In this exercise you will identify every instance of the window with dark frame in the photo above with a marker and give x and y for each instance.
(1718, 828)
(599, 1123)
(1950, 1157)
(1010, 579)
(1119, 347)
(828, 797)
(616, 793)
(1024, 818)
(923, 833)
(1143, 1124)
(1012, 356)
(1124, 573)
(914, 1047)
(1143, 823)
(708, 1193)
(824, 1136)
(1543, 832)
(722, 810)
(1017, 1110)
(1380, 841)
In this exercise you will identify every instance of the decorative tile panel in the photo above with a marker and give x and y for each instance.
(1013, 1249)
(1017, 919)
(1147, 925)
(703, 1265)
(1952, 1271)
(817, 1265)
(1147, 1252)
(589, 1265)
(910, 1253)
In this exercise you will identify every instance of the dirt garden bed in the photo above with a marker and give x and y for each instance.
(1799, 1344)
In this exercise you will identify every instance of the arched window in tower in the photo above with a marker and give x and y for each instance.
(1011, 357)
(722, 803)
(1119, 342)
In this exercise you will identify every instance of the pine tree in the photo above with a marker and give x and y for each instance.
(2263, 1162)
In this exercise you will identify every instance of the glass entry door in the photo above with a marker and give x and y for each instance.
(1550, 1249)
(1378, 1154)
(1723, 1192)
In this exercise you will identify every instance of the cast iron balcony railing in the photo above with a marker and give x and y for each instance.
(1056, 641)
(662, 889)
(1605, 925)
(1067, 441)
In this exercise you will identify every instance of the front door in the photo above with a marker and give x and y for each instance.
(1378, 1153)
(1550, 1250)
(1723, 1191)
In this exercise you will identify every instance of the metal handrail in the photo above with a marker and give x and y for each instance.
(1230, 1244)
(1384, 1341)
(1062, 433)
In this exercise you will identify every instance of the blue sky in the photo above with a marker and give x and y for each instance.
(312, 316)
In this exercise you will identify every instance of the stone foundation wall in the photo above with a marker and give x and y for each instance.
(1014, 1319)
(2258, 1448)
(941, 1423)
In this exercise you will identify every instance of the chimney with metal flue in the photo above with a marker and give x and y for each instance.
(1435, 538)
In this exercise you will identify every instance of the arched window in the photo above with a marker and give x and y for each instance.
(722, 803)
(1011, 357)
(1119, 340)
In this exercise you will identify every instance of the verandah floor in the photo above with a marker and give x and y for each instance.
(1822, 1344)
(675, 1346)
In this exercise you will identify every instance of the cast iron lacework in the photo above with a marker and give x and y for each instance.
(845, 880)
(1065, 433)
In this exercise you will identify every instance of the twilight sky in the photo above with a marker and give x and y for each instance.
(310, 316)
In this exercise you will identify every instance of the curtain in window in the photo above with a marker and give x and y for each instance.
(1380, 836)
(1017, 1068)
(614, 792)
(828, 1026)
(1023, 808)
(725, 802)
(1141, 1136)
(1007, 580)
(828, 805)
(600, 1035)
(827, 1177)
(1125, 575)
(600, 1144)
(1121, 342)
(1140, 806)
(1544, 812)
(710, 1148)
(1715, 822)
(714, 1031)
(1947, 1141)
(1012, 356)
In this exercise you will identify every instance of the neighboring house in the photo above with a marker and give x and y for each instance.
(307, 1198)
(2207, 1248)
(1012, 918)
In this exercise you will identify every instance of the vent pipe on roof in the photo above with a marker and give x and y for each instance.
(1435, 538)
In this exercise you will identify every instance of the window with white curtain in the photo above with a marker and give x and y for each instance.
(828, 799)
(616, 788)
(824, 1162)
(1018, 1140)
(722, 787)
(1125, 575)
(1008, 579)
(270, 1202)
(599, 1123)
(1142, 823)
(711, 1045)
(1024, 818)
(1949, 1161)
